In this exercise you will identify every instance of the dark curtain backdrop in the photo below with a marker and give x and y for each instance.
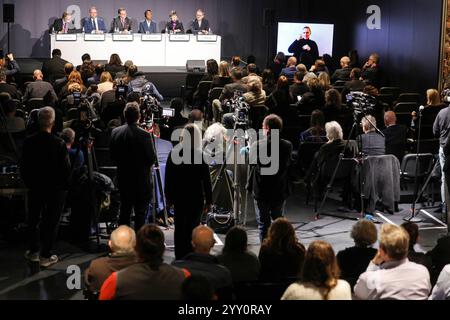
(408, 42)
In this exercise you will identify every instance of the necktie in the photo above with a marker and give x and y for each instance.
(123, 22)
(94, 24)
(65, 27)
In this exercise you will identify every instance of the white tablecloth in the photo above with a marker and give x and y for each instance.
(164, 50)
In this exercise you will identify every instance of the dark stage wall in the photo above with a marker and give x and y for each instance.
(408, 41)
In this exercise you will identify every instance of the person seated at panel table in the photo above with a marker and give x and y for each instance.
(93, 23)
(122, 24)
(63, 25)
(174, 25)
(148, 25)
(200, 25)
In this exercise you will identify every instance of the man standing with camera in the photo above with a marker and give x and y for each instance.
(132, 150)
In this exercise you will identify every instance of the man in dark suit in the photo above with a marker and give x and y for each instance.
(39, 88)
(228, 93)
(148, 25)
(342, 74)
(122, 23)
(269, 183)
(63, 25)
(132, 150)
(200, 24)
(94, 24)
(395, 136)
(45, 169)
(53, 69)
(290, 69)
(372, 143)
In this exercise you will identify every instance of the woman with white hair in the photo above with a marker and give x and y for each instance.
(187, 187)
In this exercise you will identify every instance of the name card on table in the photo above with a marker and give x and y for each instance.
(206, 38)
(66, 37)
(151, 37)
(94, 37)
(179, 37)
(122, 37)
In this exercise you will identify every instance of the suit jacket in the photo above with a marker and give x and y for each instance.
(143, 27)
(12, 90)
(270, 188)
(289, 72)
(89, 26)
(395, 137)
(58, 26)
(54, 69)
(117, 24)
(373, 144)
(341, 74)
(179, 26)
(39, 89)
(132, 150)
(195, 27)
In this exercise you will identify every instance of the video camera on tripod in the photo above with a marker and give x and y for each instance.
(361, 103)
(240, 110)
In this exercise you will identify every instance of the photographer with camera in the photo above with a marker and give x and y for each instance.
(132, 150)
(138, 83)
(9, 66)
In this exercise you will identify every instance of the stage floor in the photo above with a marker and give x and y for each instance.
(22, 280)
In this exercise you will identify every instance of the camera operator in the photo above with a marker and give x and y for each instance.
(10, 67)
(138, 83)
(132, 150)
(113, 109)
(372, 143)
(269, 191)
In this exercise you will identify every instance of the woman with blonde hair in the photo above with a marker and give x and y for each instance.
(320, 277)
(224, 76)
(106, 83)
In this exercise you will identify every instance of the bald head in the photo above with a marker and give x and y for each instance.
(123, 240)
(37, 75)
(202, 239)
(345, 62)
(292, 62)
(390, 118)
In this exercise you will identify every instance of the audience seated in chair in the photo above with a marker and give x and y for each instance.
(122, 244)
(315, 98)
(390, 275)
(13, 124)
(39, 88)
(353, 261)
(281, 254)
(441, 290)
(201, 262)
(316, 132)
(243, 264)
(320, 277)
(333, 105)
(395, 136)
(290, 69)
(8, 88)
(413, 255)
(150, 278)
(440, 256)
(197, 288)
(372, 143)
(223, 78)
(299, 87)
(342, 74)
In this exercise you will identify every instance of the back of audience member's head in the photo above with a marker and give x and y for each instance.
(251, 59)
(368, 124)
(236, 61)
(2, 76)
(75, 77)
(236, 74)
(132, 113)
(299, 76)
(235, 241)
(114, 123)
(324, 80)
(86, 57)
(394, 241)
(123, 240)
(134, 97)
(177, 104)
(355, 74)
(319, 65)
(197, 288)
(320, 267)
(115, 60)
(333, 97)
(212, 68)
(150, 244)
(292, 62)
(413, 232)
(252, 68)
(302, 68)
(68, 136)
(128, 64)
(267, 76)
(314, 84)
(371, 91)
(224, 70)
(191, 137)
(273, 122)
(364, 233)
(106, 77)
(68, 68)
(280, 58)
(345, 62)
(10, 107)
(99, 69)
(433, 97)
(308, 76)
(203, 239)
(56, 53)
(317, 119)
(46, 118)
(282, 83)
(281, 236)
(255, 86)
(390, 118)
(132, 71)
(195, 115)
(334, 131)
(38, 75)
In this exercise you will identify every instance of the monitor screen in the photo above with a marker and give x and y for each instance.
(322, 34)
